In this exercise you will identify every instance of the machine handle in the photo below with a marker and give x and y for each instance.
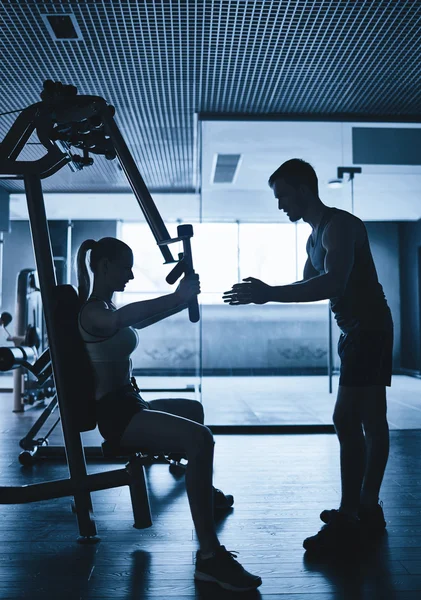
(176, 273)
(185, 232)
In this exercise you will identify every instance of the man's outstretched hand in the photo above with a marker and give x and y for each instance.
(254, 291)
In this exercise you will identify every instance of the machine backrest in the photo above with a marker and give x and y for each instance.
(78, 376)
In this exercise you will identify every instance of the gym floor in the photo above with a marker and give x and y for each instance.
(280, 484)
(288, 400)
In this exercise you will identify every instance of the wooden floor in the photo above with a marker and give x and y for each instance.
(280, 484)
(276, 400)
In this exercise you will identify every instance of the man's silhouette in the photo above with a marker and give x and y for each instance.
(340, 267)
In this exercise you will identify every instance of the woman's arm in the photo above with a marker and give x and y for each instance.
(101, 320)
(160, 317)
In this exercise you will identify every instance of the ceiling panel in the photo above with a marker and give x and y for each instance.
(162, 62)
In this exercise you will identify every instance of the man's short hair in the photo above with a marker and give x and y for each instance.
(296, 172)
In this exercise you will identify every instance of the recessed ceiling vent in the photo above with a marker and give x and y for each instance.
(62, 27)
(226, 168)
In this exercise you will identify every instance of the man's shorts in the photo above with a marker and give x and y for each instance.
(366, 358)
(116, 409)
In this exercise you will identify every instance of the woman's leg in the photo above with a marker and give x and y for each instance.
(182, 407)
(193, 410)
(163, 432)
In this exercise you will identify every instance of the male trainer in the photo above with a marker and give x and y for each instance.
(340, 267)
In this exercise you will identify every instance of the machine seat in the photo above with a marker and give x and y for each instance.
(112, 449)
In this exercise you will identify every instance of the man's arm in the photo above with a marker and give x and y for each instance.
(308, 273)
(339, 241)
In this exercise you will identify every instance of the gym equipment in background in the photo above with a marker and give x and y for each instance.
(29, 333)
(63, 119)
(29, 340)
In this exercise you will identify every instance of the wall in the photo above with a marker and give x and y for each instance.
(276, 338)
(410, 241)
(384, 242)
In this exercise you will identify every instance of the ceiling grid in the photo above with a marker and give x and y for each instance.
(162, 62)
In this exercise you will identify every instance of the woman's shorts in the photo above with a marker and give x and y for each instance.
(116, 409)
(366, 358)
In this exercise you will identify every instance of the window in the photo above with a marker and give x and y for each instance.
(267, 252)
(223, 254)
(148, 268)
(215, 255)
(303, 233)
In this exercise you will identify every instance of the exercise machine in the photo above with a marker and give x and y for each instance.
(62, 121)
(29, 334)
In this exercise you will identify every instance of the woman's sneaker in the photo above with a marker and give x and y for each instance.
(222, 501)
(372, 519)
(223, 569)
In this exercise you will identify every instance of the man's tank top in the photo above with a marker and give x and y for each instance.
(363, 303)
(110, 356)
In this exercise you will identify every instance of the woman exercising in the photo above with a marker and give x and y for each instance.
(174, 425)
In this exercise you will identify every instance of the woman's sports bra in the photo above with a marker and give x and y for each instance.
(109, 355)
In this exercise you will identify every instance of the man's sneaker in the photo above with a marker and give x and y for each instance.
(328, 514)
(338, 535)
(372, 520)
(223, 569)
(222, 501)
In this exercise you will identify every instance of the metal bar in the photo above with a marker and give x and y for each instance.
(69, 252)
(20, 328)
(329, 117)
(186, 233)
(28, 442)
(1, 266)
(45, 268)
(94, 452)
(43, 167)
(19, 133)
(141, 192)
(139, 494)
(18, 386)
(270, 429)
(330, 349)
(61, 488)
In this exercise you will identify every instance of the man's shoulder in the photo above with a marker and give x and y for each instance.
(345, 218)
(344, 221)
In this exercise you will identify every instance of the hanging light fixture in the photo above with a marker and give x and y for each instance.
(351, 171)
(335, 183)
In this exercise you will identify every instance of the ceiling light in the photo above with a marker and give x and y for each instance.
(225, 168)
(335, 183)
(62, 27)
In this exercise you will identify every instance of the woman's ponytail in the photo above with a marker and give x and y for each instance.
(83, 279)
